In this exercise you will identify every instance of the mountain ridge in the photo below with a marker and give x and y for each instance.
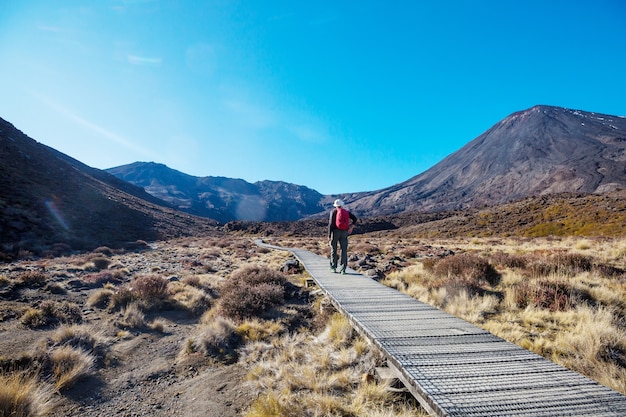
(221, 198)
(49, 199)
(541, 150)
(537, 151)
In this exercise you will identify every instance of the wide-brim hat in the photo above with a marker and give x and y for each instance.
(338, 203)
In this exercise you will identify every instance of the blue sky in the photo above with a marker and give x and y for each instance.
(340, 96)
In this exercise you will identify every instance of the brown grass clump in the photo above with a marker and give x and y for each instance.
(150, 288)
(100, 298)
(190, 297)
(218, 339)
(308, 376)
(33, 279)
(101, 278)
(50, 313)
(86, 337)
(251, 291)
(133, 317)
(70, 364)
(551, 299)
(24, 396)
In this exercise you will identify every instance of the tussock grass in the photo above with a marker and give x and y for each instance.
(25, 396)
(321, 375)
(69, 365)
(133, 317)
(100, 298)
(33, 279)
(192, 298)
(564, 299)
(51, 313)
(218, 340)
(255, 330)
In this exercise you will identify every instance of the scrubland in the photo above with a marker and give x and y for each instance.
(220, 326)
(196, 326)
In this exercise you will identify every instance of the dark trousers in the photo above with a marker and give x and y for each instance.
(341, 237)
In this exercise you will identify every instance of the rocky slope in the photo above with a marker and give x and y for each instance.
(49, 200)
(220, 198)
(538, 151)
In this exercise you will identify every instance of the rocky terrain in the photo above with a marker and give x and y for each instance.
(48, 199)
(220, 198)
(539, 151)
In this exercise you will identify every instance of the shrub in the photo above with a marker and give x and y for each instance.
(508, 260)
(104, 250)
(150, 287)
(549, 295)
(101, 263)
(252, 290)
(33, 279)
(249, 301)
(24, 396)
(101, 278)
(568, 264)
(467, 267)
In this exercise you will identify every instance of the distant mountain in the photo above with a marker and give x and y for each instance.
(539, 151)
(48, 198)
(220, 198)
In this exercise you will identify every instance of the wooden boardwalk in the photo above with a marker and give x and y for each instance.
(452, 367)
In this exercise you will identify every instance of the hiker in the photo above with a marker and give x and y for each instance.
(339, 227)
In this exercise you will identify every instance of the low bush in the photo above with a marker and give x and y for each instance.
(101, 278)
(150, 287)
(51, 313)
(251, 291)
(472, 269)
(33, 279)
(550, 295)
(508, 260)
(101, 263)
(568, 264)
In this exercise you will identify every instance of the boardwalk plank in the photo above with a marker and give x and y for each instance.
(452, 367)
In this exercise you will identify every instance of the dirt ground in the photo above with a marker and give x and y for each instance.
(143, 372)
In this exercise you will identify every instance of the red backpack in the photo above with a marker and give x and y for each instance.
(342, 221)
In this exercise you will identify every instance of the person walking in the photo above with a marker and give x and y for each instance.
(340, 225)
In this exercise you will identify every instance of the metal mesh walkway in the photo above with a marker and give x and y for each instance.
(452, 367)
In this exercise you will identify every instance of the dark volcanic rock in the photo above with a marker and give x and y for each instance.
(49, 200)
(538, 151)
(220, 198)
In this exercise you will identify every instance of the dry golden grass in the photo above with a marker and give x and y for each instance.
(319, 375)
(25, 396)
(70, 364)
(563, 298)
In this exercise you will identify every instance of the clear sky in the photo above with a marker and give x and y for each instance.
(340, 96)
